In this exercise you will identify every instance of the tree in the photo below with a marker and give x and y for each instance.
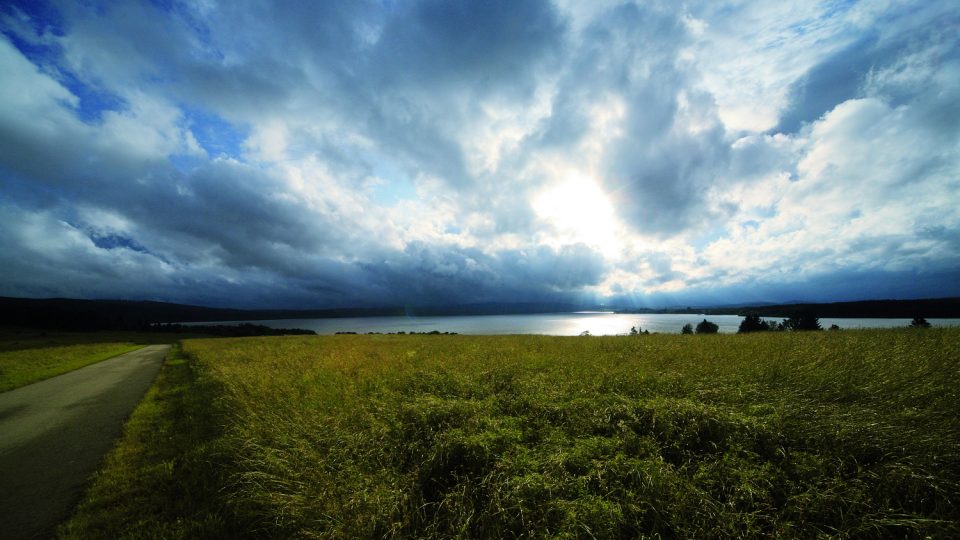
(834, 328)
(919, 322)
(802, 322)
(753, 323)
(707, 327)
(687, 329)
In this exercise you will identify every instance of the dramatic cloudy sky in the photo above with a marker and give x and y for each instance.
(385, 152)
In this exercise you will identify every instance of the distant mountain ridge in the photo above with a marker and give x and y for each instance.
(74, 314)
(881, 309)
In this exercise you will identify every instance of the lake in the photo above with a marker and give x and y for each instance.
(554, 324)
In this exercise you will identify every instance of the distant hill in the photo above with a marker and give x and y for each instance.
(73, 314)
(881, 309)
(496, 308)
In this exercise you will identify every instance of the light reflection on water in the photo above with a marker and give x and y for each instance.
(556, 324)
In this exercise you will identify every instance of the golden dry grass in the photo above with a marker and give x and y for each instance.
(853, 433)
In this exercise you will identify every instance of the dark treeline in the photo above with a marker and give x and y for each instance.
(238, 330)
(795, 323)
(89, 315)
(881, 309)
(96, 315)
(798, 323)
(92, 315)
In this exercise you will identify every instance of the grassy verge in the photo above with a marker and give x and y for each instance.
(163, 477)
(22, 367)
(28, 356)
(852, 433)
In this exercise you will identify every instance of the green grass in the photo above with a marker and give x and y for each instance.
(853, 433)
(161, 479)
(22, 367)
(28, 356)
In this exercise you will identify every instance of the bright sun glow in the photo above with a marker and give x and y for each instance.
(580, 212)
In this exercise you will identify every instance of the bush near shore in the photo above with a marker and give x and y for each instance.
(851, 433)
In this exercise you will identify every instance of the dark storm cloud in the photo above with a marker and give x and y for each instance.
(840, 286)
(435, 62)
(65, 258)
(435, 275)
(483, 47)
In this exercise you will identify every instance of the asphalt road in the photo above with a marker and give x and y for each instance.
(54, 433)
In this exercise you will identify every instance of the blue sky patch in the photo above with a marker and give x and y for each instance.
(216, 135)
(41, 16)
(397, 186)
(93, 101)
(115, 241)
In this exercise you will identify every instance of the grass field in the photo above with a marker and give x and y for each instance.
(28, 356)
(853, 433)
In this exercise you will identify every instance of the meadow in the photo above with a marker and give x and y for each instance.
(796, 435)
(28, 356)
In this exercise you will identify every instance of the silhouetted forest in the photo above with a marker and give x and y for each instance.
(89, 315)
(238, 330)
(882, 309)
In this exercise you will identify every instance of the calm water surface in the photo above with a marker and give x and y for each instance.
(554, 324)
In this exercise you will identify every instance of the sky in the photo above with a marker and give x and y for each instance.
(390, 152)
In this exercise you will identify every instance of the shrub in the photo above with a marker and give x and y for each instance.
(919, 322)
(707, 327)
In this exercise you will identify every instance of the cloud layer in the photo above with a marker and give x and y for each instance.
(425, 152)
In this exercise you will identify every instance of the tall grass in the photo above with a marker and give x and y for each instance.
(788, 435)
(853, 433)
(163, 478)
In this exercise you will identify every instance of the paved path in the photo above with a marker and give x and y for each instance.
(54, 433)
